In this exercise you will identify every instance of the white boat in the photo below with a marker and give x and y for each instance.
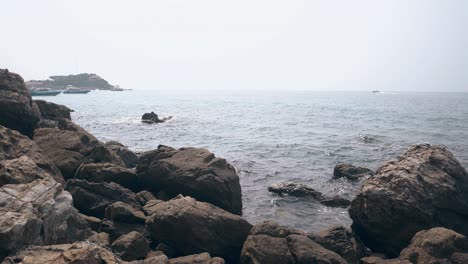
(44, 92)
(75, 90)
(116, 88)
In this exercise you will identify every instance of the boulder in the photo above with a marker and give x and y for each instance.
(92, 198)
(144, 197)
(22, 161)
(151, 206)
(118, 229)
(77, 253)
(342, 241)
(38, 213)
(350, 172)
(93, 222)
(166, 250)
(68, 149)
(100, 238)
(125, 213)
(107, 172)
(437, 245)
(128, 157)
(151, 118)
(18, 111)
(193, 227)
(53, 111)
(425, 187)
(203, 258)
(194, 172)
(132, 246)
(301, 190)
(270, 243)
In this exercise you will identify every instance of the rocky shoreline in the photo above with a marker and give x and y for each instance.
(66, 197)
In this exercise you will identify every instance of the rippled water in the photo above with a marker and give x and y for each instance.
(282, 136)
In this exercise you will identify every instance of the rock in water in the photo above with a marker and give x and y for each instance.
(151, 118)
(38, 213)
(53, 111)
(193, 227)
(344, 170)
(22, 161)
(342, 241)
(425, 187)
(194, 172)
(78, 253)
(270, 243)
(128, 157)
(301, 190)
(18, 111)
(437, 245)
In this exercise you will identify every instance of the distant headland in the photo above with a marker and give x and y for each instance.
(82, 80)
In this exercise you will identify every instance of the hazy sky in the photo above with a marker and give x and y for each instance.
(402, 45)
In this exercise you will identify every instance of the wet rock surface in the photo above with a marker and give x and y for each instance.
(351, 172)
(425, 187)
(195, 172)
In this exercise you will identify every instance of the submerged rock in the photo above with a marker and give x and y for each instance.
(191, 171)
(344, 170)
(193, 227)
(301, 190)
(38, 213)
(270, 243)
(53, 111)
(342, 241)
(425, 187)
(128, 157)
(80, 252)
(22, 161)
(18, 111)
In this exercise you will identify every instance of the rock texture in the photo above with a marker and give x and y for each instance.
(77, 253)
(107, 172)
(18, 111)
(125, 213)
(425, 187)
(38, 213)
(342, 241)
(193, 227)
(194, 172)
(93, 198)
(270, 243)
(344, 170)
(128, 157)
(132, 246)
(68, 149)
(22, 161)
(53, 111)
(203, 258)
(301, 190)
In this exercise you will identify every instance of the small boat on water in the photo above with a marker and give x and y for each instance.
(116, 88)
(44, 92)
(376, 91)
(75, 90)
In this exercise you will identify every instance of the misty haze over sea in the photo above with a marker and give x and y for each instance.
(273, 137)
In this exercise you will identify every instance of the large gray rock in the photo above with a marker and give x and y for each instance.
(108, 172)
(53, 111)
(22, 161)
(68, 149)
(193, 227)
(341, 240)
(77, 253)
(38, 213)
(128, 157)
(18, 111)
(270, 243)
(194, 172)
(93, 198)
(425, 187)
(132, 246)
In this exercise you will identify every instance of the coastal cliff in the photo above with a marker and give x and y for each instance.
(67, 197)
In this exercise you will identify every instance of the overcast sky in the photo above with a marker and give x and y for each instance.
(399, 45)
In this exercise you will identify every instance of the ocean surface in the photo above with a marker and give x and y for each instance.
(274, 137)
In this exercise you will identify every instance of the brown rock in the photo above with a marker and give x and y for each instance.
(132, 246)
(128, 157)
(102, 239)
(203, 258)
(108, 172)
(351, 172)
(144, 196)
(122, 212)
(53, 111)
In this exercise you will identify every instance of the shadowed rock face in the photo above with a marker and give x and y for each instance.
(132, 246)
(108, 172)
(80, 252)
(128, 157)
(22, 161)
(270, 243)
(425, 187)
(18, 111)
(38, 213)
(351, 172)
(203, 258)
(194, 172)
(192, 227)
(53, 111)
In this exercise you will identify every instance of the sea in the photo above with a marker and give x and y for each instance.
(281, 136)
